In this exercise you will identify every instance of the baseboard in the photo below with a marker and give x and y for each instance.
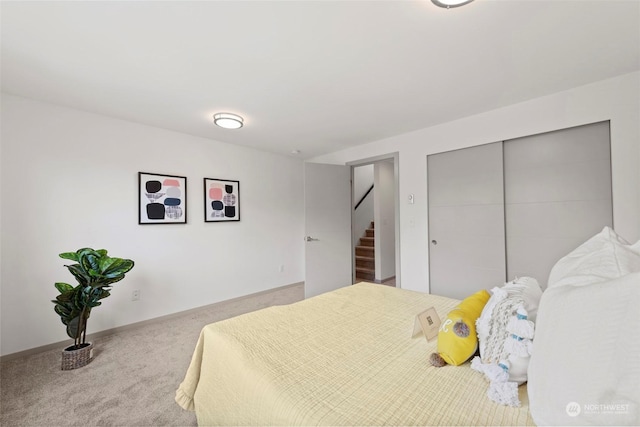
(62, 344)
(384, 280)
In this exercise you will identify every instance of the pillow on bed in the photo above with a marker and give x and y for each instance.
(457, 338)
(584, 367)
(604, 256)
(492, 324)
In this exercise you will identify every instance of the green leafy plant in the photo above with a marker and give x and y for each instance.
(95, 272)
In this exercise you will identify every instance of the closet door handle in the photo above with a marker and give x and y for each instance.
(434, 242)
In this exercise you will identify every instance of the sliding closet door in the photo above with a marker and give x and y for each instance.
(466, 220)
(557, 195)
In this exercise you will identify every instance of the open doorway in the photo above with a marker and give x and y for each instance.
(375, 224)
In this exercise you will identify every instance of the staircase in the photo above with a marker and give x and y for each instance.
(365, 256)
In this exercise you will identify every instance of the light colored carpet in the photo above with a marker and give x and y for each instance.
(132, 379)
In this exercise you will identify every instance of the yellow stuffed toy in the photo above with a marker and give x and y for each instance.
(457, 338)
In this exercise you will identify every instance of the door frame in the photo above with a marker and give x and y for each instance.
(395, 156)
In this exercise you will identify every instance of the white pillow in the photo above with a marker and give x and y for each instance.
(604, 256)
(584, 369)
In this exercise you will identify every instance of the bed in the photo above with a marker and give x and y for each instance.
(346, 357)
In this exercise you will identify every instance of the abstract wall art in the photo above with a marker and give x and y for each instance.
(221, 200)
(162, 199)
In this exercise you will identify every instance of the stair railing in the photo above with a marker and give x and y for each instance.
(364, 197)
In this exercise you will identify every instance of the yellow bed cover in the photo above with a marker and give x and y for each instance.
(342, 358)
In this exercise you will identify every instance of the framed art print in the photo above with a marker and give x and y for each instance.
(221, 200)
(162, 199)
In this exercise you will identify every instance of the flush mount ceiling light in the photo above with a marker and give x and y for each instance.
(228, 120)
(450, 3)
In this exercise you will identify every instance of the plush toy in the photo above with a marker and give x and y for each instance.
(457, 338)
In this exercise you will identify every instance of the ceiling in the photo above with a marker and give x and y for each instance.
(313, 76)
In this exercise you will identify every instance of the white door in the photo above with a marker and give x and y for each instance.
(466, 220)
(327, 206)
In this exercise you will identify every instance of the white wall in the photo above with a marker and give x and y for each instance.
(69, 180)
(362, 217)
(385, 207)
(613, 99)
(362, 181)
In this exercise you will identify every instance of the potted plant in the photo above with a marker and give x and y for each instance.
(95, 272)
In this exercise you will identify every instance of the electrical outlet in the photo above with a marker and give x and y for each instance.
(135, 295)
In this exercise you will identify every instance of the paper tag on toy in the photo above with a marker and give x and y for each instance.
(427, 323)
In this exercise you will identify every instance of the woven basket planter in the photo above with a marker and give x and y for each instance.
(73, 359)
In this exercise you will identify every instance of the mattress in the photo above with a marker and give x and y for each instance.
(346, 357)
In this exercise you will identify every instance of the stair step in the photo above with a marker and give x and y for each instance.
(365, 262)
(367, 251)
(367, 241)
(365, 273)
(365, 255)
